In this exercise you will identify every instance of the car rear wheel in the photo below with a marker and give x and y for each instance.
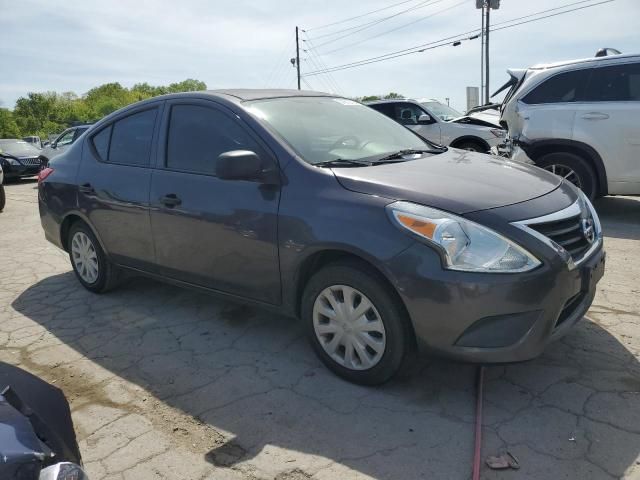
(355, 325)
(573, 169)
(90, 264)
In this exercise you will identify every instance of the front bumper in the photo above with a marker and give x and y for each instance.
(492, 318)
(18, 171)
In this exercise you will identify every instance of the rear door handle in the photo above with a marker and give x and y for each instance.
(170, 200)
(86, 188)
(595, 116)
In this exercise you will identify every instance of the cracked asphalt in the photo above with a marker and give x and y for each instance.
(165, 383)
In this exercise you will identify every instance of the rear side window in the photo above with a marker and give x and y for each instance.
(618, 83)
(131, 139)
(564, 87)
(101, 143)
(386, 108)
(199, 134)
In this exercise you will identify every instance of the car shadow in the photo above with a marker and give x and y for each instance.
(620, 216)
(251, 375)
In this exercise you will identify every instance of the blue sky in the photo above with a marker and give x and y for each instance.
(75, 45)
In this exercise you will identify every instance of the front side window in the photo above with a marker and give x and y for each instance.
(199, 134)
(322, 129)
(617, 83)
(407, 113)
(65, 138)
(131, 139)
(564, 87)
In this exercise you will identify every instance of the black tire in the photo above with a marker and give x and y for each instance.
(108, 274)
(3, 198)
(394, 318)
(583, 170)
(472, 146)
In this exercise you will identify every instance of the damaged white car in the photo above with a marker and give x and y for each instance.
(443, 125)
(579, 120)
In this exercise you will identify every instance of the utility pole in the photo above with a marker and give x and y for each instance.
(485, 6)
(486, 55)
(298, 57)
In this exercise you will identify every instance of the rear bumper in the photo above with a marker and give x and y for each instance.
(493, 318)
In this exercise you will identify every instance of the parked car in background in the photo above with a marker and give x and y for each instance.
(442, 124)
(19, 158)
(579, 120)
(3, 198)
(33, 140)
(324, 209)
(62, 142)
(37, 439)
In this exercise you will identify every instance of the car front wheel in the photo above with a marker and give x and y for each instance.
(356, 326)
(89, 262)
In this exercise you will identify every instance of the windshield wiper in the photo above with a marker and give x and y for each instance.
(343, 162)
(409, 151)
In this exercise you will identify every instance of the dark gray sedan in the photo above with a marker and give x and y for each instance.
(327, 210)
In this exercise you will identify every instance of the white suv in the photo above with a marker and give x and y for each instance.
(579, 119)
(442, 124)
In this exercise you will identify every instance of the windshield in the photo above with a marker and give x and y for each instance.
(321, 129)
(444, 112)
(18, 148)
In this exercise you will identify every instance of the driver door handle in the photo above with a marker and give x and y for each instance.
(170, 200)
(595, 116)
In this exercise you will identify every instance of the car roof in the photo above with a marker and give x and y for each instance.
(391, 100)
(260, 93)
(605, 59)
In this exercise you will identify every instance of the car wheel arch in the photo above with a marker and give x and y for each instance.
(69, 220)
(470, 139)
(538, 149)
(321, 258)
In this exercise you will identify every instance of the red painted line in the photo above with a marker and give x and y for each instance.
(478, 439)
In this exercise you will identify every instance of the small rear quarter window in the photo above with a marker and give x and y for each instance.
(101, 142)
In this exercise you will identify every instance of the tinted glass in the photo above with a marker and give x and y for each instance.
(407, 113)
(386, 108)
(326, 128)
(564, 87)
(445, 112)
(131, 139)
(617, 83)
(198, 135)
(101, 142)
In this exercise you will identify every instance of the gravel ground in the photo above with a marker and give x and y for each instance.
(166, 383)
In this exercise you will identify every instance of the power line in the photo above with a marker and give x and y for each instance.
(358, 16)
(375, 22)
(312, 51)
(438, 43)
(395, 29)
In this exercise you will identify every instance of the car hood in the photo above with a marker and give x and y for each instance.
(478, 120)
(457, 181)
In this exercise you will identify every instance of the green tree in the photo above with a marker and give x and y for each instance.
(50, 112)
(393, 96)
(8, 126)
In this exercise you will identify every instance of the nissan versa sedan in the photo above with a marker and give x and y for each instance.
(324, 209)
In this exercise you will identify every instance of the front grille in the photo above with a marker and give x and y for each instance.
(567, 233)
(30, 161)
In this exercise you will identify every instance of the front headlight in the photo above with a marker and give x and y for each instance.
(498, 132)
(10, 161)
(465, 245)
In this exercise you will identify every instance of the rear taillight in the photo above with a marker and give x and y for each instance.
(44, 173)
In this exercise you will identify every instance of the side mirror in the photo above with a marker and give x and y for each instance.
(239, 165)
(424, 118)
